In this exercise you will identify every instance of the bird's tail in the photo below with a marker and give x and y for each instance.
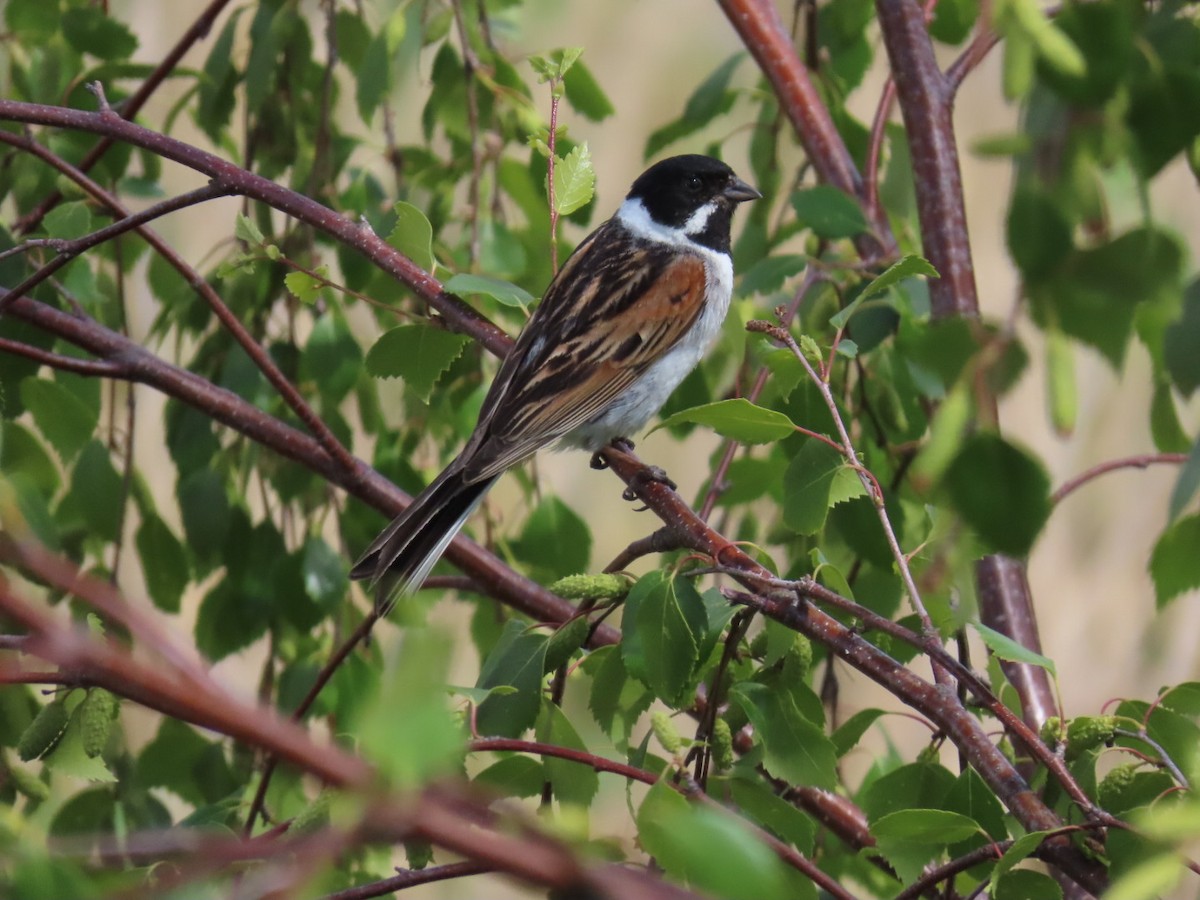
(398, 560)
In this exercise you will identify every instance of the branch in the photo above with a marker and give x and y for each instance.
(758, 24)
(1006, 604)
(410, 878)
(254, 351)
(939, 705)
(787, 854)
(458, 315)
(1129, 462)
(133, 104)
(927, 106)
(363, 482)
(442, 815)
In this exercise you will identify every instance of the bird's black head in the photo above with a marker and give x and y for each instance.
(676, 190)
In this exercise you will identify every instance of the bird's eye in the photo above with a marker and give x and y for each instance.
(693, 184)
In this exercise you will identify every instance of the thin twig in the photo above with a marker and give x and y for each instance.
(1141, 461)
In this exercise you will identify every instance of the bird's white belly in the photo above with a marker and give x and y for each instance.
(637, 404)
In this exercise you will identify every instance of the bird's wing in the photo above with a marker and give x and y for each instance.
(614, 309)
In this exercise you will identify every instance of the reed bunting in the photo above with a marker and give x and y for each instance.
(629, 315)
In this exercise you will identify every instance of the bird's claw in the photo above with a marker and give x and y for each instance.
(645, 475)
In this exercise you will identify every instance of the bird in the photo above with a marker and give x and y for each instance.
(628, 316)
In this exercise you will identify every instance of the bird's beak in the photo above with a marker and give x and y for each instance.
(738, 191)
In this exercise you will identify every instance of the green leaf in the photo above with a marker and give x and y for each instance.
(1165, 427)
(850, 731)
(1026, 884)
(555, 539)
(419, 354)
(1180, 342)
(1001, 492)
(768, 274)
(738, 419)
(65, 421)
(972, 797)
(555, 65)
(324, 574)
(21, 453)
(708, 849)
(331, 359)
(164, 563)
(408, 730)
(926, 826)
(303, 287)
(953, 20)
(664, 622)
(32, 21)
(615, 699)
(911, 838)
(910, 266)
(98, 491)
(1094, 293)
(412, 235)
(1175, 561)
(90, 30)
(709, 100)
(205, 511)
(1039, 235)
(829, 212)
(247, 231)
(1052, 45)
(68, 221)
(374, 76)
(230, 619)
(585, 94)
(1187, 484)
(181, 760)
(517, 660)
(499, 290)
(1006, 648)
(1152, 877)
(574, 180)
(797, 750)
(513, 776)
(572, 782)
(951, 423)
(1018, 851)
(808, 486)
(771, 811)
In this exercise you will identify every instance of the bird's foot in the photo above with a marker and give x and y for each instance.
(646, 475)
(625, 445)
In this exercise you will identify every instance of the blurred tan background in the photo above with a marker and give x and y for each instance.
(1088, 571)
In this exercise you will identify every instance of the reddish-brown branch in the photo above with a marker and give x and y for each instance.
(1142, 461)
(458, 315)
(931, 878)
(444, 816)
(410, 878)
(1006, 604)
(134, 103)
(67, 250)
(689, 789)
(591, 760)
(927, 105)
(363, 482)
(327, 671)
(937, 704)
(89, 367)
(253, 349)
(758, 24)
